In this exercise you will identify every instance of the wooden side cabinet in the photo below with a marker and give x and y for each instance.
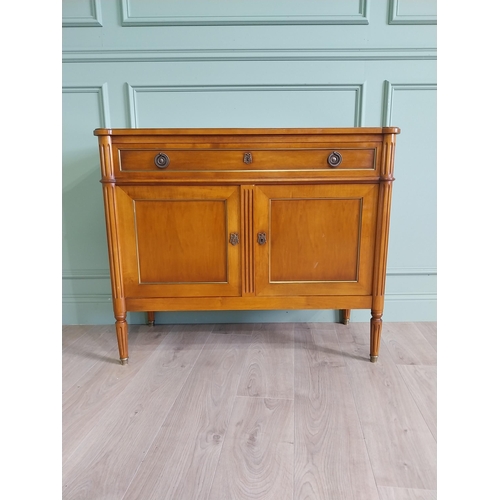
(238, 219)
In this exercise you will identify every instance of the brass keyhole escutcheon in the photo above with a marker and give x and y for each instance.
(261, 238)
(247, 158)
(234, 238)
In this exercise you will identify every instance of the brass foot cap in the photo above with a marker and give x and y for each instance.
(124, 361)
(346, 322)
(151, 323)
(373, 359)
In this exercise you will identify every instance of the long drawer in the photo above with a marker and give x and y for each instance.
(161, 159)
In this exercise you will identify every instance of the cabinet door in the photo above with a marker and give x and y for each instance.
(319, 240)
(175, 240)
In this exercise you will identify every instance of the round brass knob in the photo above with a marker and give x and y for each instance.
(334, 159)
(162, 160)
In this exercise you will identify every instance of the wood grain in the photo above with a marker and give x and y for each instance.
(172, 255)
(183, 458)
(142, 159)
(331, 460)
(239, 328)
(247, 241)
(71, 333)
(170, 425)
(268, 368)
(86, 401)
(320, 239)
(105, 463)
(175, 239)
(429, 331)
(401, 447)
(386, 493)
(256, 461)
(407, 345)
(422, 384)
(172, 231)
(314, 240)
(98, 344)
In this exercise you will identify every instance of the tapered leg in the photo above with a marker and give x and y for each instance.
(122, 337)
(345, 316)
(151, 318)
(375, 332)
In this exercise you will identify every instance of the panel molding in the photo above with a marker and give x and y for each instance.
(85, 274)
(92, 21)
(395, 18)
(94, 298)
(388, 102)
(208, 55)
(134, 90)
(103, 99)
(412, 271)
(191, 20)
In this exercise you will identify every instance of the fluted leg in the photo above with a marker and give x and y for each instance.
(122, 337)
(345, 316)
(375, 332)
(151, 318)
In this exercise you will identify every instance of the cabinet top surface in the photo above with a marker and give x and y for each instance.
(245, 131)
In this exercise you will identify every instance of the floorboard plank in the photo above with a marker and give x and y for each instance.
(182, 461)
(406, 494)
(429, 331)
(422, 384)
(103, 466)
(331, 460)
(268, 367)
(71, 333)
(407, 345)
(95, 392)
(256, 461)
(239, 328)
(199, 412)
(401, 447)
(95, 345)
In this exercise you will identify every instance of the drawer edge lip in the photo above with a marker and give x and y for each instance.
(246, 131)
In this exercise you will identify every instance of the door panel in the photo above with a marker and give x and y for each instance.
(320, 239)
(174, 240)
(191, 246)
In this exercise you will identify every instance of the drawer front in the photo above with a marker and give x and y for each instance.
(159, 159)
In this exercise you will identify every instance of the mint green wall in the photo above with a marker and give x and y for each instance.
(265, 63)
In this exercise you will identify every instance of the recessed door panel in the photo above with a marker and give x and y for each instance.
(176, 240)
(319, 240)
(181, 241)
(315, 239)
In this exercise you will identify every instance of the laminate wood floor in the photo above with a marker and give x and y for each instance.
(289, 411)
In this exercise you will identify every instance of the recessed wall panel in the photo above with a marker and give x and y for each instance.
(246, 106)
(214, 12)
(84, 108)
(412, 11)
(81, 13)
(413, 236)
